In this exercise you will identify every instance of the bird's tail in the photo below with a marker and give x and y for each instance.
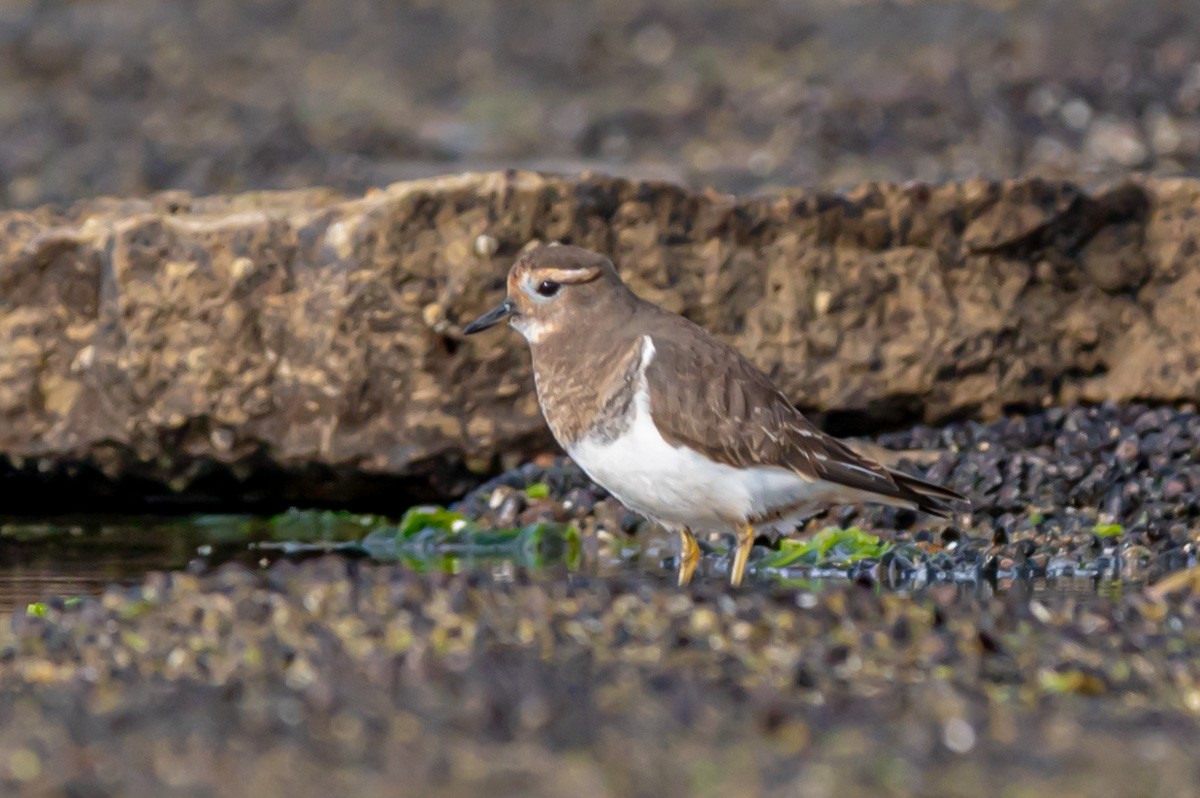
(929, 498)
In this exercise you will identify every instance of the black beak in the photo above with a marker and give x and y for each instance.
(491, 318)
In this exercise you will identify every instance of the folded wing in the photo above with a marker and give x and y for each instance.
(705, 395)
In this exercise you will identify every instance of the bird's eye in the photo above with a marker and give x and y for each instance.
(548, 288)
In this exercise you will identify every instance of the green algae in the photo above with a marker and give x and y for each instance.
(434, 538)
(291, 525)
(538, 490)
(831, 547)
(1071, 681)
(427, 538)
(429, 518)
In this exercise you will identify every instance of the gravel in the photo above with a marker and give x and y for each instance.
(311, 678)
(1103, 493)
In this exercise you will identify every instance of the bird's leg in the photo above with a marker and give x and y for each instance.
(689, 555)
(745, 539)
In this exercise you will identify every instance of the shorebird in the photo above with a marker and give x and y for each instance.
(675, 424)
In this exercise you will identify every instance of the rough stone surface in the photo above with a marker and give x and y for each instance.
(209, 346)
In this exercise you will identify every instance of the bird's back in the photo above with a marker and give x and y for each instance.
(705, 395)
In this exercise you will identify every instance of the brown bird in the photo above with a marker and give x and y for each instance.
(675, 424)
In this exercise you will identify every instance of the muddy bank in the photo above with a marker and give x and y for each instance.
(306, 346)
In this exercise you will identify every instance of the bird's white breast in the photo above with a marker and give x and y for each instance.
(678, 485)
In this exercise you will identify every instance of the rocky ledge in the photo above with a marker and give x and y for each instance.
(306, 346)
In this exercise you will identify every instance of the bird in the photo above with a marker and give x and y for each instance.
(674, 423)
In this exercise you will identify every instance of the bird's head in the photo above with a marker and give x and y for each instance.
(554, 287)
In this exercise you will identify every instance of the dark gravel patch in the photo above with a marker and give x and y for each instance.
(1108, 492)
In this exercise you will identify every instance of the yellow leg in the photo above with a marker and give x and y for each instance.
(689, 555)
(745, 539)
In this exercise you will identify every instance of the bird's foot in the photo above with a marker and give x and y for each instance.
(745, 541)
(689, 556)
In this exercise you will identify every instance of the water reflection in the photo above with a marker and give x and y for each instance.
(80, 556)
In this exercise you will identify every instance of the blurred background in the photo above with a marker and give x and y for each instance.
(189, 370)
(131, 96)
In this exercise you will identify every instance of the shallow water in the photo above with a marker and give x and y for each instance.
(80, 555)
(72, 556)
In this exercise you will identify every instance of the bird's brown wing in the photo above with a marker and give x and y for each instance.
(706, 396)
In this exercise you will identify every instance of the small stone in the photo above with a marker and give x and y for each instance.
(486, 246)
(958, 735)
(1127, 451)
(654, 44)
(1115, 141)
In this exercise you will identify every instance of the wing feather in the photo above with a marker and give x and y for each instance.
(705, 395)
